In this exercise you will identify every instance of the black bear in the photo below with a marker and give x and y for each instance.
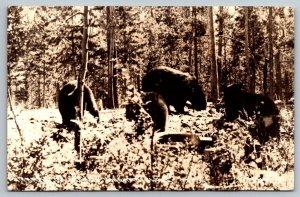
(175, 87)
(156, 107)
(67, 102)
(132, 110)
(240, 103)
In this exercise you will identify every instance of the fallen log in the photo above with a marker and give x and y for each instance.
(194, 140)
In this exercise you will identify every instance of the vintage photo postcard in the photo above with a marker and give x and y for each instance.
(116, 98)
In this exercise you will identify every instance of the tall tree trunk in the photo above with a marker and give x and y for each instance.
(73, 66)
(115, 79)
(278, 75)
(271, 63)
(287, 86)
(265, 76)
(265, 72)
(83, 70)
(220, 45)
(81, 79)
(194, 11)
(233, 61)
(225, 69)
(199, 58)
(247, 53)
(214, 69)
(110, 51)
(252, 65)
(115, 74)
(190, 53)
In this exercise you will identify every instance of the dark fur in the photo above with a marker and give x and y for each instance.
(132, 111)
(157, 108)
(175, 87)
(239, 102)
(67, 102)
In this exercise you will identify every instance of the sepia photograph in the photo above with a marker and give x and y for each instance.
(153, 98)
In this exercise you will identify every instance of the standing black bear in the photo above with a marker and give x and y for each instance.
(175, 87)
(157, 108)
(238, 102)
(67, 102)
